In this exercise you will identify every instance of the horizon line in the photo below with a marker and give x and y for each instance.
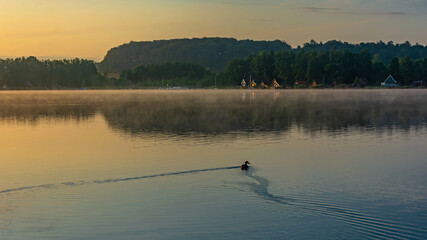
(99, 59)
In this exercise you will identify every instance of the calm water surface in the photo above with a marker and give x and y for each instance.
(163, 164)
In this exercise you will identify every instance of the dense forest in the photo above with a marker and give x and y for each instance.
(290, 69)
(382, 51)
(170, 74)
(32, 73)
(326, 67)
(311, 65)
(215, 53)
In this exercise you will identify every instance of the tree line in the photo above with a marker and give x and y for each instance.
(215, 53)
(381, 50)
(170, 74)
(289, 68)
(323, 67)
(32, 73)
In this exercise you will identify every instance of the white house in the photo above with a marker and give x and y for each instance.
(389, 82)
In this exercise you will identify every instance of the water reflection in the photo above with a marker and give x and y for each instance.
(82, 182)
(217, 112)
(373, 226)
(79, 177)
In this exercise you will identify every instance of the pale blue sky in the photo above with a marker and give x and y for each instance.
(88, 28)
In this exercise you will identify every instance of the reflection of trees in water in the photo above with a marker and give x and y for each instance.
(32, 107)
(32, 114)
(196, 115)
(265, 111)
(215, 112)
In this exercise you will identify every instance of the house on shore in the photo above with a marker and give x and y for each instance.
(274, 84)
(389, 82)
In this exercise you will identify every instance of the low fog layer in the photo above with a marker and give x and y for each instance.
(222, 111)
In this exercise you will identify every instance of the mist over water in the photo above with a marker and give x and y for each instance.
(215, 112)
(160, 164)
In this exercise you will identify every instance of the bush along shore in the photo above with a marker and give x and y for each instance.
(284, 69)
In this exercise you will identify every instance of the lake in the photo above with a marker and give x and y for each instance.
(164, 164)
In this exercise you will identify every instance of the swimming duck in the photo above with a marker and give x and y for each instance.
(245, 166)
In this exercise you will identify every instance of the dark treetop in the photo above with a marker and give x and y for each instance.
(215, 53)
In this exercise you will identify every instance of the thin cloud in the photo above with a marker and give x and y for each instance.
(252, 3)
(339, 11)
(394, 13)
(259, 19)
(326, 10)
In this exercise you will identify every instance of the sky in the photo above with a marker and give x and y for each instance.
(89, 28)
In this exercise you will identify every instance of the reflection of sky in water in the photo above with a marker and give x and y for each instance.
(115, 165)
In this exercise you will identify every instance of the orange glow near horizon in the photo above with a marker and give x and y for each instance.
(88, 29)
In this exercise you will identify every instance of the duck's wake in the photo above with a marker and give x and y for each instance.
(375, 227)
(79, 183)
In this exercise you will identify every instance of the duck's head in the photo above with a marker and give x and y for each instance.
(246, 163)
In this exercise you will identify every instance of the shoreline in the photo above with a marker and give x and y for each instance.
(210, 89)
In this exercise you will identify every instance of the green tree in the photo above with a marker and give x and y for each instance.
(407, 70)
(424, 69)
(379, 72)
(33, 73)
(283, 67)
(363, 64)
(261, 66)
(300, 66)
(315, 68)
(394, 69)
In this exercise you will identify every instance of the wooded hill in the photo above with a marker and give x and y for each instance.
(215, 53)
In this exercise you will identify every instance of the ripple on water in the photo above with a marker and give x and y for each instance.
(372, 226)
